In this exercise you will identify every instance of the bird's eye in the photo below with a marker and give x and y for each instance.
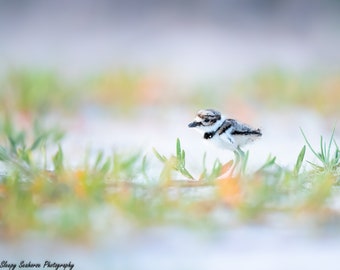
(206, 121)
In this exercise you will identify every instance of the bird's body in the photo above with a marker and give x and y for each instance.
(224, 133)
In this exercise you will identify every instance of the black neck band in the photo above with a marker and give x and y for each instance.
(221, 129)
(209, 135)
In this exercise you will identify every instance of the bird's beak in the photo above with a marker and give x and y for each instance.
(193, 124)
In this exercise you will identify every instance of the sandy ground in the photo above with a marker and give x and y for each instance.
(282, 136)
(250, 247)
(281, 243)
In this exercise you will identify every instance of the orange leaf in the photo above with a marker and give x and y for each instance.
(3, 190)
(226, 167)
(230, 191)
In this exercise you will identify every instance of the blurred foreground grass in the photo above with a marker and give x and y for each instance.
(104, 195)
(40, 91)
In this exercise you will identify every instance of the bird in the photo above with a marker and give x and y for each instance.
(225, 133)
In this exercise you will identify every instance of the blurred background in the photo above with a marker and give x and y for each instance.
(103, 69)
(189, 40)
(160, 61)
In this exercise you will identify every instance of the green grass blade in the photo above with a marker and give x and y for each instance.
(3, 154)
(160, 157)
(178, 148)
(58, 160)
(270, 161)
(183, 158)
(145, 169)
(99, 159)
(186, 173)
(337, 154)
(321, 154)
(38, 142)
(299, 160)
(330, 143)
(309, 145)
(13, 144)
(106, 166)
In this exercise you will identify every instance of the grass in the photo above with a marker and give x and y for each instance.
(329, 161)
(36, 91)
(40, 192)
(39, 91)
(103, 195)
(176, 163)
(277, 87)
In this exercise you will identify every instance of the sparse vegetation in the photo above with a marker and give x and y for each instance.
(27, 91)
(277, 87)
(68, 202)
(39, 191)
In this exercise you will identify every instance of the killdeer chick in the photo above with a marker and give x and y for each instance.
(224, 132)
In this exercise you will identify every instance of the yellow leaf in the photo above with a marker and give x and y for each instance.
(79, 187)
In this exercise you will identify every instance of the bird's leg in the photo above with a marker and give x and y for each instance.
(240, 156)
(240, 159)
(243, 159)
(236, 162)
(241, 153)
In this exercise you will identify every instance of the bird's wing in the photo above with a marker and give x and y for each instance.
(243, 129)
(224, 127)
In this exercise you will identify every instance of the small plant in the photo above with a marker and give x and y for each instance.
(175, 162)
(330, 161)
(124, 166)
(216, 171)
(268, 164)
(17, 152)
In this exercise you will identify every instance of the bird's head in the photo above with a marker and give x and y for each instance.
(206, 120)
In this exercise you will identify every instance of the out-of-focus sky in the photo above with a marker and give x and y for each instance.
(187, 38)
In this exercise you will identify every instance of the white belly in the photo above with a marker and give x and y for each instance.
(223, 142)
(232, 142)
(241, 140)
